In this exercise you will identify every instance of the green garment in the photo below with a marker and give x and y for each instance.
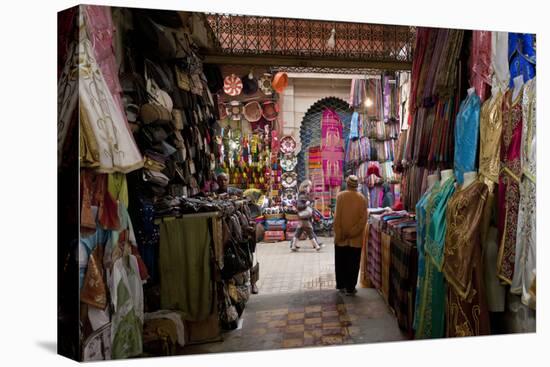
(431, 307)
(118, 187)
(185, 275)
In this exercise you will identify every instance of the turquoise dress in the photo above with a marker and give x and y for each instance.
(431, 307)
(420, 236)
(467, 136)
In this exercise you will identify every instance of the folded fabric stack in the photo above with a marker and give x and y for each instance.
(291, 225)
(374, 252)
(403, 279)
(167, 206)
(274, 236)
(399, 225)
(275, 225)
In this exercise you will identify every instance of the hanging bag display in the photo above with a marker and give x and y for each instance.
(155, 94)
(237, 258)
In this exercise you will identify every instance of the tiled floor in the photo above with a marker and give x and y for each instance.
(284, 271)
(308, 318)
(298, 306)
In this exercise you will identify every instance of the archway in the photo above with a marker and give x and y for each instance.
(310, 127)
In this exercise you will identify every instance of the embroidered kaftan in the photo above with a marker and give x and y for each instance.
(466, 136)
(490, 131)
(431, 313)
(420, 237)
(508, 188)
(499, 60)
(525, 260)
(466, 306)
(117, 149)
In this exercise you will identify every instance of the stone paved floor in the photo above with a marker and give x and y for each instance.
(308, 318)
(284, 271)
(298, 306)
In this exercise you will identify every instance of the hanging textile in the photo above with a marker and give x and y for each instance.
(462, 239)
(125, 272)
(67, 99)
(521, 55)
(446, 79)
(423, 72)
(185, 275)
(509, 180)
(101, 31)
(373, 101)
(117, 149)
(332, 148)
(466, 136)
(525, 260)
(480, 63)
(499, 60)
(439, 47)
(420, 238)
(431, 314)
(490, 131)
(467, 313)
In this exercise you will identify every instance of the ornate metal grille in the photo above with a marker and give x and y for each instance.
(326, 70)
(255, 35)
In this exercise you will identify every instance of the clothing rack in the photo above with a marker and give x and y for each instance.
(192, 215)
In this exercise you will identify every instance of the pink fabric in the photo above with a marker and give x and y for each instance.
(100, 28)
(480, 63)
(332, 148)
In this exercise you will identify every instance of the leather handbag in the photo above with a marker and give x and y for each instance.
(168, 43)
(154, 134)
(154, 92)
(237, 259)
(178, 119)
(157, 178)
(152, 112)
(183, 79)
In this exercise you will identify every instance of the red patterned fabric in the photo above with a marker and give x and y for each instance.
(508, 191)
(480, 63)
(332, 148)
